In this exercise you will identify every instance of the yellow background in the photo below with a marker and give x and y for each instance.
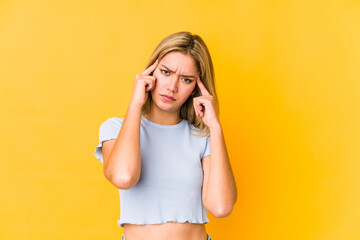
(287, 76)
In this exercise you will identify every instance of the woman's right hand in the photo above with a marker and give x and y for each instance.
(144, 83)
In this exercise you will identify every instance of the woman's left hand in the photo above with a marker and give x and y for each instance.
(204, 106)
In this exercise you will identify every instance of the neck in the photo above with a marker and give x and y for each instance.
(159, 116)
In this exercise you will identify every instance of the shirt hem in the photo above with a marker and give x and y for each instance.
(121, 223)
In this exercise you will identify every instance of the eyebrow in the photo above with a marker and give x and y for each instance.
(191, 76)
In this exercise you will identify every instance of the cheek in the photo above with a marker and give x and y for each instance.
(187, 92)
(159, 82)
(192, 88)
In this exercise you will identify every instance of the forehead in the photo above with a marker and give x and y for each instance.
(179, 62)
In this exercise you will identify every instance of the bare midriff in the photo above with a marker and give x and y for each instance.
(165, 231)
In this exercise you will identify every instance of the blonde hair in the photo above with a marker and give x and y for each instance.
(191, 44)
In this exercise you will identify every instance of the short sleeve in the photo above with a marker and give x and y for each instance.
(207, 147)
(109, 129)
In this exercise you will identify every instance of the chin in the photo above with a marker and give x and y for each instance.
(166, 107)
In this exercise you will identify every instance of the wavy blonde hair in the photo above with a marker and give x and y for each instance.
(191, 44)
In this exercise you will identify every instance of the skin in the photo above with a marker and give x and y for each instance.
(219, 189)
(173, 84)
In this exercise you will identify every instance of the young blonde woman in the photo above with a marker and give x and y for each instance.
(159, 156)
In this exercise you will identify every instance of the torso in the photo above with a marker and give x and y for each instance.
(152, 178)
(166, 231)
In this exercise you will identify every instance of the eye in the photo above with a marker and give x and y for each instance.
(189, 81)
(165, 71)
(185, 79)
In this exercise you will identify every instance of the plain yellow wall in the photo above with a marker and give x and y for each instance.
(287, 76)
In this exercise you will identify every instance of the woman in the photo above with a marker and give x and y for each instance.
(160, 160)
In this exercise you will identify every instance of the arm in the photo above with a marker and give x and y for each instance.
(122, 161)
(219, 192)
(219, 189)
(123, 166)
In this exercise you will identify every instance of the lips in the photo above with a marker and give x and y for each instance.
(168, 97)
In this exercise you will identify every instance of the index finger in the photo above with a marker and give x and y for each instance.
(150, 69)
(202, 87)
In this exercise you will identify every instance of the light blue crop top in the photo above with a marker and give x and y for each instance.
(170, 184)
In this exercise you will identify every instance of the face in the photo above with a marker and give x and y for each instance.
(175, 76)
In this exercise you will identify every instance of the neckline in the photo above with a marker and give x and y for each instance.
(148, 122)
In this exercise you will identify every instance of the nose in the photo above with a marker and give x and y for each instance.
(172, 85)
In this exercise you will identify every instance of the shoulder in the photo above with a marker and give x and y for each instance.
(196, 132)
(111, 126)
(113, 121)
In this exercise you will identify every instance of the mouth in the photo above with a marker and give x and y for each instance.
(168, 98)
